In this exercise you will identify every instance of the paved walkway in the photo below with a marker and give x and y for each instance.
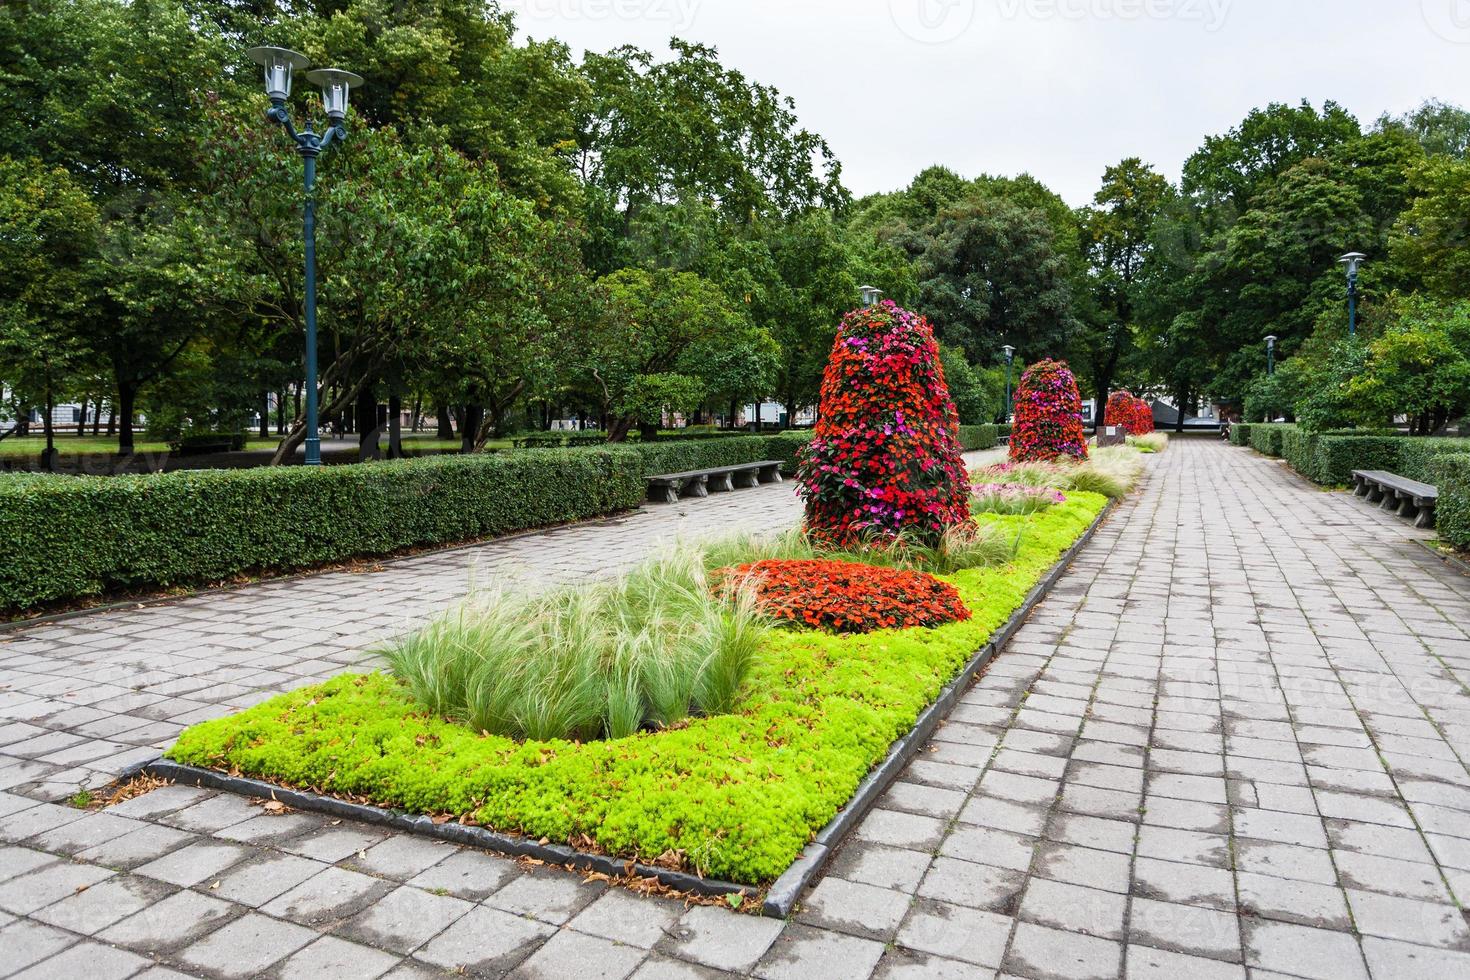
(1233, 738)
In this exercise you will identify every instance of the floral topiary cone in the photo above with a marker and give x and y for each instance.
(885, 460)
(1048, 421)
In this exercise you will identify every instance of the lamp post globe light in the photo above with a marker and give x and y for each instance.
(1353, 261)
(1010, 353)
(870, 295)
(279, 65)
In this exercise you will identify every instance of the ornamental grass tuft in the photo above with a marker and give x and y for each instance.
(1013, 498)
(644, 651)
(1111, 471)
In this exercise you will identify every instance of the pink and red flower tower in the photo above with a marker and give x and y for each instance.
(1048, 410)
(886, 459)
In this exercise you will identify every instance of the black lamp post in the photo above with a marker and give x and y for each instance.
(1353, 261)
(279, 64)
(1010, 353)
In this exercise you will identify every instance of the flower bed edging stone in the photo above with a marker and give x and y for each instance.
(782, 895)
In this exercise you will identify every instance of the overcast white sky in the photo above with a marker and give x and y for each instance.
(1059, 88)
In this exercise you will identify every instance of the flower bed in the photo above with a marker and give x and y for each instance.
(846, 597)
(735, 796)
(1013, 498)
(1048, 415)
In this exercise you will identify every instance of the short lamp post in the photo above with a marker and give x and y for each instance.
(1353, 261)
(1271, 355)
(871, 295)
(279, 64)
(1010, 353)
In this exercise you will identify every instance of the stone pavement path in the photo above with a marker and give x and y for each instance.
(1232, 743)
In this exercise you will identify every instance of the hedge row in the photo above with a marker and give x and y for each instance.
(1329, 458)
(1240, 433)
(974, 438)
(1451, 474)
(66, 538)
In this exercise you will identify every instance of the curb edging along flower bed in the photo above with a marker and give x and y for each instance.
(780, 897)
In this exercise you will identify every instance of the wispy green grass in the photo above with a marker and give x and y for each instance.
(643, 651)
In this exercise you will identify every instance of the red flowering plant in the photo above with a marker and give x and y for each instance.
(846, 597)
(1048, 422)
(885, 461)
(1130, 412)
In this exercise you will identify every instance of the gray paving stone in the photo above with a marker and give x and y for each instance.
(876, 864)
(98, 906)
(573, 956)
(1439, 924)
(333, 843)
(402, 856)
(405, 919)
(333, 957)
(26, 942)
(92, 960)
(485, 942)
(1406, 879)
(1073, 908)
(1184, 884)
(1301, 951)
(627, 918)
(195, 863)
(177, 920)
(720, 938)
(854, 908)
(468, 874)
(1391, 960)
(1086, 866)
(954, 932)
(139, 847)
(1184, 929)
(1305, 902)
(37, 889)
(1044, 954)
(331, 894)
(264, 876)
(659, 967)
(551, 896)
(812, 954)
(1144, 963)
(246, 947)
(986, 845)
(976, 885)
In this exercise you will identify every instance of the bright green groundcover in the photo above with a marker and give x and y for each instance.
(735, 797)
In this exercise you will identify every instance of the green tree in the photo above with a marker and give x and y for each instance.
(1431, 240)
(1418, 366)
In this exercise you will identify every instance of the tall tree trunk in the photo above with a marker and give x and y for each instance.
(395, 426)
(265, 414)
(734, 414)
(127, 397)
(97, 420)
(416, 415)
(368, 430)
(48, 425)
(82, 419)
(469, 426)
(446, 425)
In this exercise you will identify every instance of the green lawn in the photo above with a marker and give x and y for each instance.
(733, 796)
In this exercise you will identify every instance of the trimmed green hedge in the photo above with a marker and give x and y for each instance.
(1240, 433)
(1418, 456)
(698, 454)
(1336, 457)
(1452, 475)
(66, 537)
(975, 438)
(1268, 438)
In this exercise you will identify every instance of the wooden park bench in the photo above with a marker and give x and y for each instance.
(667, 488)
(1393, 492)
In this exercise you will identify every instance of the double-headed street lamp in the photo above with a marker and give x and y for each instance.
(870, 295)
(1353, 260)
(279, 64)
(1010, 353)
(1271, 354)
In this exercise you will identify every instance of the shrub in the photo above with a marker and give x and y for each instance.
(66, 537)
(976, 438)
(1240, 433)
(1012, 498)
(1451, 474)
(1332, 458)
(682, 455)
(885, 460)
(643, 651)
(1417, 456)
(1267, 439)
(1048, 415)
(1112, 472)
(847, 597)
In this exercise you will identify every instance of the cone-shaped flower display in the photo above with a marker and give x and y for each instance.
(1048, 415)
(1131, 412)
(885, 460)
